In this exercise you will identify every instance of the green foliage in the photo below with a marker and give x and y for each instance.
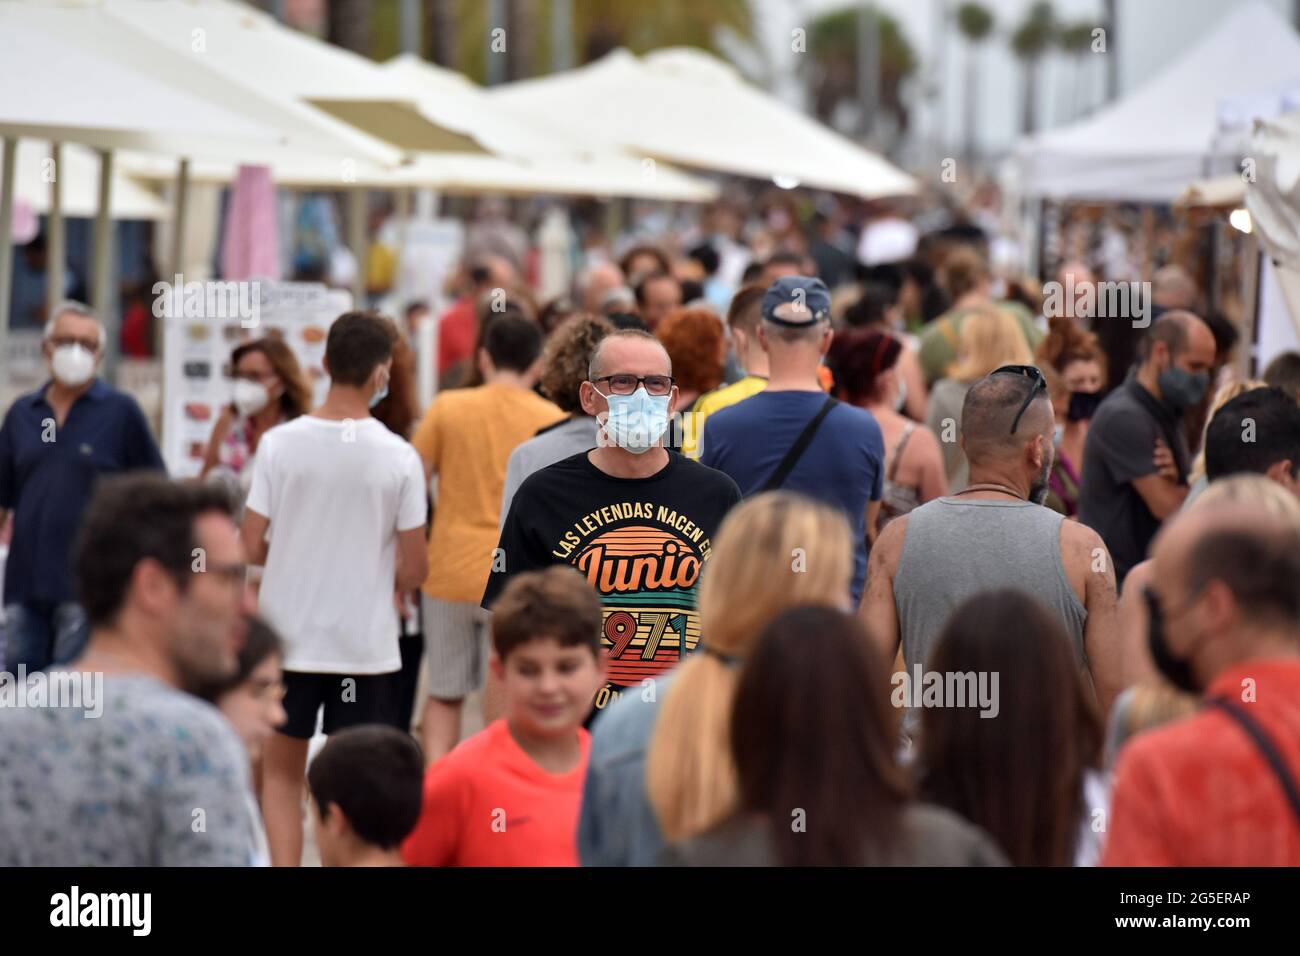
(1035, 34)
(1075, 38)
(974, 21)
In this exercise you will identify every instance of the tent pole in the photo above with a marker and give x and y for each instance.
(179, 211)
(9, 156)
(55, 250)
(103, 300)
(357, 242)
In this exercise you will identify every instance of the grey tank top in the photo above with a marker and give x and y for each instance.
(956, 548)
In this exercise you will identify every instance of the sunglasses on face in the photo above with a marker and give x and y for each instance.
(1030, 372)
(627, 384)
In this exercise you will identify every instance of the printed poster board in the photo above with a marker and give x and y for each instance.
(204, 322)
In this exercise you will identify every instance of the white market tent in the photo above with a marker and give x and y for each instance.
(1149, 145)
(248, 47)
(75, 75)
(687, 107)
(1273, 200)
(78, 171)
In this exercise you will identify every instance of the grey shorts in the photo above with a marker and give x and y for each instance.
(457, 642)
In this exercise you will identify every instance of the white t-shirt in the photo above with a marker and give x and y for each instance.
(336, 493)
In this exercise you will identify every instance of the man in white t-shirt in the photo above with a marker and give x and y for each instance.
(336, 513)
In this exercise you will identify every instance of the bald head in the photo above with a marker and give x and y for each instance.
(596, 281)
(1183, 335)
(1172, 287)
(629, 351)
(990, 410)
(1237, 556)
(1075, 271)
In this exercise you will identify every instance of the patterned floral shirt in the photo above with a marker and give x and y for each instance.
(158, 779)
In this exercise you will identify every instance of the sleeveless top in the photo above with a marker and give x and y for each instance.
(955, 549)
(896, 499)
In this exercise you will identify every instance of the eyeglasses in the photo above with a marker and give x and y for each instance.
(59, 341)
(627, 384)
(1028, 371)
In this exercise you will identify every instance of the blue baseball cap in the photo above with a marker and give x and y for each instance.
(805, 299)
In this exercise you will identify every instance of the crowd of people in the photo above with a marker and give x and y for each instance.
(794, 561)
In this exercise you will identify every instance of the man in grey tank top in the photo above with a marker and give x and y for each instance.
(996, 534)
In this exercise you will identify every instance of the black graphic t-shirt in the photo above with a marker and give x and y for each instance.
(640, 542)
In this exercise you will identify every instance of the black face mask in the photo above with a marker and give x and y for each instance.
(1176, 670)
(1083, 405)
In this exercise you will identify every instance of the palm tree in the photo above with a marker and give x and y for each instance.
(598, 27)
(975, 23)
(1029, 42)
(832, 58)
(1075, 41)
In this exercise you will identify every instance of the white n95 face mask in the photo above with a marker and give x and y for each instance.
(249, 397)
(72, 365)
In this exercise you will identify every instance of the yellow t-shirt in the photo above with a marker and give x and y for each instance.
(467, 435)
(715, 401)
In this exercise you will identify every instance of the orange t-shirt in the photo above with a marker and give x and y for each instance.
(488, 804)
(467, 435)
(1198, 792)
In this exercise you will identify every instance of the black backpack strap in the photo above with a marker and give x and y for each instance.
(782, 472)
(1266, 748)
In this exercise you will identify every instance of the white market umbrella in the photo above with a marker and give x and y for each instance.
(684, 106)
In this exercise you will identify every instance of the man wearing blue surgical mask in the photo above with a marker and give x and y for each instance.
(635, 519)
(55, 444)
(1136, 459)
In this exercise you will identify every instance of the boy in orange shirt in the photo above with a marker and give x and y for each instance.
(509, 795)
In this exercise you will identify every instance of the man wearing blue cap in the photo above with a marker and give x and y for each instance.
(792, 435)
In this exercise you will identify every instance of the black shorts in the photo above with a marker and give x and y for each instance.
(367, 699)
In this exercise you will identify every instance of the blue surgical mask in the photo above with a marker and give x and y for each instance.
(636, 422)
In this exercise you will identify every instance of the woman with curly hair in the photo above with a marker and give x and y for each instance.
(565, 358)
(696, 343)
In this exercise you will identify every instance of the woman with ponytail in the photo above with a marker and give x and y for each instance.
(661, 767)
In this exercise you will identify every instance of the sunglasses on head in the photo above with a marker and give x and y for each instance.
(1030, 372)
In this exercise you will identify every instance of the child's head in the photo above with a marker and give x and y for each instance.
(251, 698)
(366, 786)
(546, 637)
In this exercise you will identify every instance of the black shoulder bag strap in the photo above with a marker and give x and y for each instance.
(1266, 748)
(796, 451)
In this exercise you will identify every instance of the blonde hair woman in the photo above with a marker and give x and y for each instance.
(668, 747)
(990, 337)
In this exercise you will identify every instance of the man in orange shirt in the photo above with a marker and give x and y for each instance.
(466, 438)
(1219, 788)
(509, 795)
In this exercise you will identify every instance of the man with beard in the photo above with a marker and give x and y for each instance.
(996, 534)
(124, 767)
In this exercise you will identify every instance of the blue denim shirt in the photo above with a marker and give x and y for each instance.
(616, 826)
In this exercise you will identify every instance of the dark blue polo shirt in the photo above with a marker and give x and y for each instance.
(47, 484)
